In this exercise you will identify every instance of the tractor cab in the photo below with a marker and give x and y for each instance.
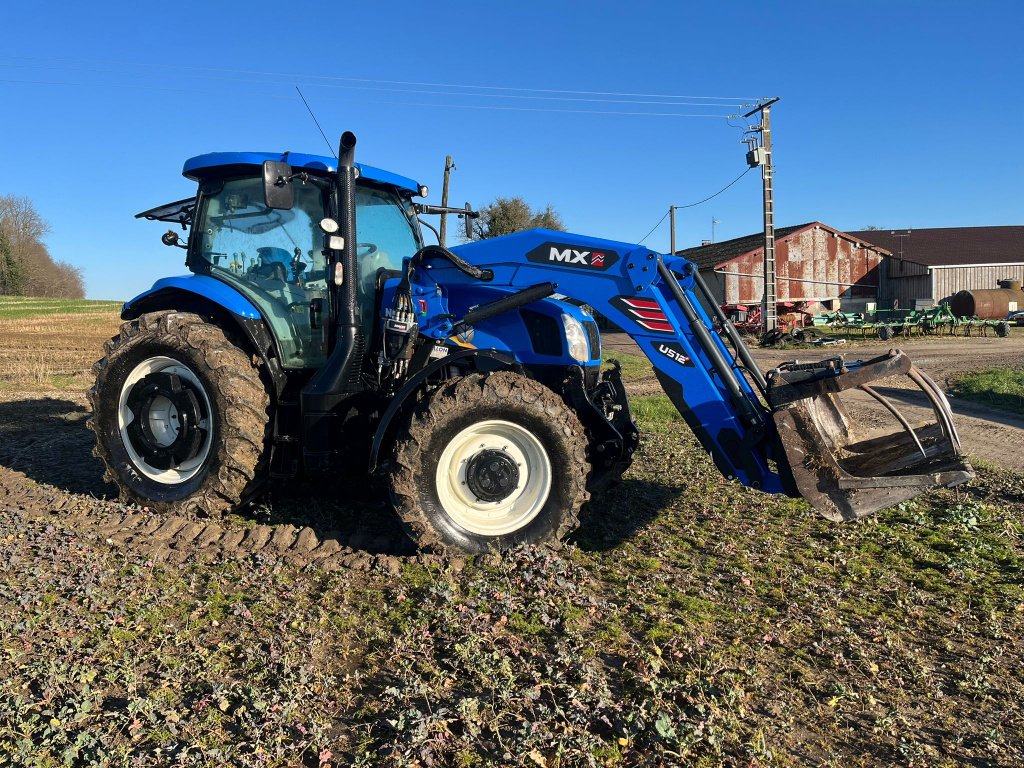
(279, 258)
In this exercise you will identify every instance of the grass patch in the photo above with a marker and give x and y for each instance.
(19, 307)
(654, 410)
(1001, 388)
(634, 367)
(694, 625)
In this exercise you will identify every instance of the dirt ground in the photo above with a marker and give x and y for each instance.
(992, 435)
(46, 461)
(689, 620)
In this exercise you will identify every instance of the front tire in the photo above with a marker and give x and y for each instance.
(180, 415)
(489, 462)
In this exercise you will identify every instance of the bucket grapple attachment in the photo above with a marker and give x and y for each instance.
(844, 470)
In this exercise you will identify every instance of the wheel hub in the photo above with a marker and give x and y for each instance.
(492, 475)
(165, 429)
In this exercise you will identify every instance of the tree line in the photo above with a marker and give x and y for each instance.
(26, 266)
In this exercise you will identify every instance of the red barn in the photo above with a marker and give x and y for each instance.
(814, 263)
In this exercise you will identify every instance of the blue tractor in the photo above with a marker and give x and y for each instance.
(319, 334)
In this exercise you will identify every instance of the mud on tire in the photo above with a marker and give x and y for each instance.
(458, 431)
(230, 466)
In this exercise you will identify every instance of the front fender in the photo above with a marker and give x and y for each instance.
(385, 428)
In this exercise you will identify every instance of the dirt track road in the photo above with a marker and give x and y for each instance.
(987, 434)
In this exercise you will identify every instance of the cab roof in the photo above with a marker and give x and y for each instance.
(202, 165)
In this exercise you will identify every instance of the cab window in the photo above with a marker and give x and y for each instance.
(274, 257)
(386, 235)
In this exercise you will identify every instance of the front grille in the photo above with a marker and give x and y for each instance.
(545, 333)
(594, 338)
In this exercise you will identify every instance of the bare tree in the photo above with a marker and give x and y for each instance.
(26, 267)
(513, 214)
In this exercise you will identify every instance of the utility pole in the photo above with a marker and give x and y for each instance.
(672, 229)
(713, 222)
(762, 155)
(449, 166)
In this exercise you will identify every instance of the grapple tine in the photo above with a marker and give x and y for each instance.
(846, 475)
(899, 416)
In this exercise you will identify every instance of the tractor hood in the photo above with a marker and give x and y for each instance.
(219, 162)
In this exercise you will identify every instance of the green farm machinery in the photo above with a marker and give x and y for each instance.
(887, 324)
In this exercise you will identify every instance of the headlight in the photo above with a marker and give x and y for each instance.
(577, 338)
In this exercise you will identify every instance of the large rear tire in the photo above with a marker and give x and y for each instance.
(489, 462)
(180, 415)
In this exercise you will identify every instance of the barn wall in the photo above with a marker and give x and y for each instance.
(715, 283)
(814, 254)
(904, 282)
(949, 280)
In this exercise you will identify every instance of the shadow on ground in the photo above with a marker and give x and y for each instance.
(615, 516)
(47, 439)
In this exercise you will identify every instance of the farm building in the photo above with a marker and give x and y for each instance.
(928, 266)
(814, 263)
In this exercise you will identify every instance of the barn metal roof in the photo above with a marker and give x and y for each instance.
(951, 246)
(716, 254)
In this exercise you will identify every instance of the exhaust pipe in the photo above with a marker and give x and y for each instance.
(339, 375)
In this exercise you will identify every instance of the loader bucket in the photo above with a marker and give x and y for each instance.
(847, 471)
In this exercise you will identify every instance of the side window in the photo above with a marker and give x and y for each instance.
(274, 257)
(385, 236)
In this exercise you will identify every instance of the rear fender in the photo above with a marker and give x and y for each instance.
(222, 306)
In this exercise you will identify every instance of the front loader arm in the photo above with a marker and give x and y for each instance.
(788, 432)
(627, 284)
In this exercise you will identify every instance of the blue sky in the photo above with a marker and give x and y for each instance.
(895, 114)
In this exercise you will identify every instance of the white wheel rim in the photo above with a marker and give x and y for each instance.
(521, 506)
(163, 420)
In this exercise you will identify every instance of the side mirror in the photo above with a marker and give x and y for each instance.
(277, 188)
(467, 219)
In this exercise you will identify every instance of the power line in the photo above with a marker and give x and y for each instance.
(139, 86)
(550, 109)
(453, 93)
(691, 205)
(641, 240)
(293, 76)
(146, 87)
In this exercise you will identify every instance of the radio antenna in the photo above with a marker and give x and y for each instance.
(329, 145)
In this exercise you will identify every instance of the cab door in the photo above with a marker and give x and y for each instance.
(273, 257)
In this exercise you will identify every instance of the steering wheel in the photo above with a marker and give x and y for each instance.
(371, 249)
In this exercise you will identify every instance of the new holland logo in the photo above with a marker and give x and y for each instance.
(559, 254)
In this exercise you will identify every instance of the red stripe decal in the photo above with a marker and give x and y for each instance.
(649, 315)
(641, 303)
(654, 326)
